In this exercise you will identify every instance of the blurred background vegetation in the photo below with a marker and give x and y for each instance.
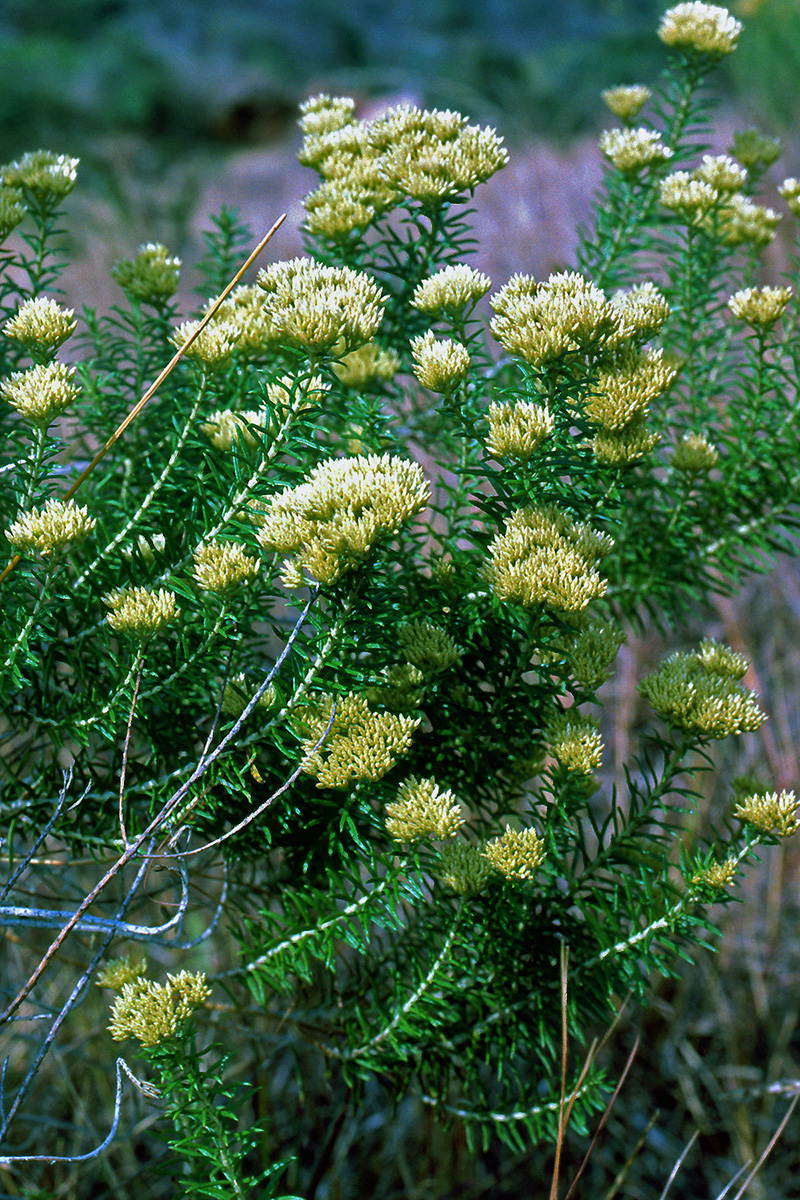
(183, 72)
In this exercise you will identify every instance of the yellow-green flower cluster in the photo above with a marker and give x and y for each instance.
(47, 175)
(721, 172)
(704, 28)
(717, 875)
(323, 114)
(423, 810)
(238, 692)
(541, 321)
(12, 210)
(360, 744)
(451, 290)
(463, 868)
(368, 364)
(223, 567)
(225, 425)
(771, 813)
(694, 454)
(518, 854)
(330, 522)
(760, 307)
(700, 692)
(118, 972)
(741, 221)
(590, 652)
(683, 193)
(629, 150)
(546, 558)
(626, 102)
(517, 429)
(245, 314)
(151, 276)
(42, 325)
(754, 150)
(139, 612)
(428, 647)
(154, 1012)
(42, 392)
(402, 689)
(574, 741)
(621, 447)
(47, 530)
(320, 308)
(623, 389)
(439, 364)
(639, 313)
(790, 190)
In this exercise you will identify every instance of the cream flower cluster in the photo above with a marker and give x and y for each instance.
(50, 177)
(41, 325)
(428, 156)
(517, 429)
(42, 392)
(49, 529)
(626, 102)
(154, 1012)
(440, 364)
(330, 522)
(544, 557)
(368, 364)
(704, 28)
(624, 389)
(320, 308)
(360, 744)
(139, 612)
(574, 741)
(517, 854)
(770, 813)
(223, 567)
(629, 150)
(423, 810)
(760, 307)
(451, 290)
(700, 692)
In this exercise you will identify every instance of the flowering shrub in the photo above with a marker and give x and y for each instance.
(331, 620)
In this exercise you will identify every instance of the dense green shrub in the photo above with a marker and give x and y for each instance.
(321, 637)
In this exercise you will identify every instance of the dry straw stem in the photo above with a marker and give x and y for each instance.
(167, 371)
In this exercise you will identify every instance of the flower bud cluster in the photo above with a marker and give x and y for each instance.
(700, 28)
(49, 529)
(423, 810)
(151, 276)
(700, 692)
(319, 308)
(359, 745)
(770, 813)
(154, 1012)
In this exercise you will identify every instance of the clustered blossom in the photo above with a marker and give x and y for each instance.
(118, 972)
(42, 392)
(626, 102)
(451, 290)
(154, 1012)
(463, 868)
(423, 810)
(41, 324)
(244, 313)
(320, 308)
(139, 612)
(700, 692)
(226, 426)
(790, 190)
(517, 854)
(428, 647)
(47, 530)
(368, 364)
(760, 307)
(330, 523)
(741, 221)
(683, 193)
(694, 453)
(223, 567)
(213, 345)
(754, 150)
(717, 875)
(48, 176)
(703, 28)
(590, 652)
(517, 429)
(770, 813)
(624, 388)
(239, 691)
(359, 745)
(639, 313)
(541, 321)
(621, 447)
(629, 150)
(439, 364)
(721, 172)
(369, 167)
(574, 741)
(152, 275)
(12, 209)
(546, 558)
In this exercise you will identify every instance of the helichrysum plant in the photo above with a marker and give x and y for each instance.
(329, 623)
